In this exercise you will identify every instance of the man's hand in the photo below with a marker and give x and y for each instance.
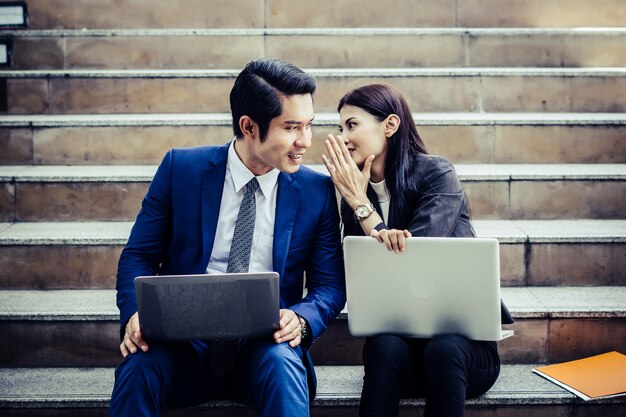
(132, 337)
(290, 329)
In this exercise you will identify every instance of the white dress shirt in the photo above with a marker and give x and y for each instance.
(237, 176)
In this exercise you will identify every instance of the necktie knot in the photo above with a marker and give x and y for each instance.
(252, 186)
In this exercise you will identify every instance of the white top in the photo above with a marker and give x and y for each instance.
(383, 198)
(237, 176)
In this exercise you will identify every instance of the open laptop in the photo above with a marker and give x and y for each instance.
(219, 306)
(437, 286)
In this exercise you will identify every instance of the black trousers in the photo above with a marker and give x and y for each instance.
(446, 369)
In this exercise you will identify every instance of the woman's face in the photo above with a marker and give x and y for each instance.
(362, 134)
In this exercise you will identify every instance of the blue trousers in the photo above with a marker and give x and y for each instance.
(268, 376)
(446, 369)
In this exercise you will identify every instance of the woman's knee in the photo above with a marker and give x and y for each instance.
(387, 349)
(446, 350)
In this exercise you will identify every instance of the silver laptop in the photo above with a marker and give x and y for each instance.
(219, 306)
(437, 286)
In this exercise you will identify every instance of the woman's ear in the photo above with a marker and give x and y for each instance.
(247, 126)
(392, 123)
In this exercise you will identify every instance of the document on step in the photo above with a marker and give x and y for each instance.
(592, 378)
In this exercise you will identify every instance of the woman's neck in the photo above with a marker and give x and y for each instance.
(377, 173)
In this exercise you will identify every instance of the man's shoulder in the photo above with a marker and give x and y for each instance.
(310, 177)
(198, 152)
(196, 158)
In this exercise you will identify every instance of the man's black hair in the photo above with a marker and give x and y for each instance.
(258, 87)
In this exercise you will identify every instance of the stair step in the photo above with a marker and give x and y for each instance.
(425, 13)
(532, 252)
(139, 14)
(318, 47)
(517, 392)
(281, 13)
(321, 119)
(70, 193)
(466, 172)
(126, 139)
(523, 302)
(81, 327)
(429, 90)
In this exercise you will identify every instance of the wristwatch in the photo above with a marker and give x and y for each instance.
(304, 327)
(363, 211)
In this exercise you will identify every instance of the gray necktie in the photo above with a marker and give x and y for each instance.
(223, 353)
(239, 257)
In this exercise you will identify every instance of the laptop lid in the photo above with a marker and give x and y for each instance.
(437, 286)
(218, 306)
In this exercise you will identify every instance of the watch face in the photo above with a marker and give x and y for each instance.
(362, 212)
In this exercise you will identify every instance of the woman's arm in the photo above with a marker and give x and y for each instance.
(351, 182)
(441, 202)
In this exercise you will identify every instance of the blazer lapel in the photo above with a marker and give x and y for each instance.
(287, 202)
(212, 189)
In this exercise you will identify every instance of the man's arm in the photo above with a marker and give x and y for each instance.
(147, 243)
(325, 277)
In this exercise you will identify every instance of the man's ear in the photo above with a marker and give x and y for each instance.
(248, 127)
(392, 123)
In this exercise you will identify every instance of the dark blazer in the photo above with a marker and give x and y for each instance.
(438, 206)
(175, 231)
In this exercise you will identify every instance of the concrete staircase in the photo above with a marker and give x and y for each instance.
(526, 98)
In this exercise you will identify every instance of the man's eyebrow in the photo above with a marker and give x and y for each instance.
(296, 122)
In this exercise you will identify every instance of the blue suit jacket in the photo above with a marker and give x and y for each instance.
(175, 232)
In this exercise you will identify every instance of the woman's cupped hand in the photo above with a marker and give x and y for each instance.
(350, 181)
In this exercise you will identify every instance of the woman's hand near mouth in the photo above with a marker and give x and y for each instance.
(350, 181)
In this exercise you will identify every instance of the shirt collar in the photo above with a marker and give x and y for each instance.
(380, 188)
(242, 175)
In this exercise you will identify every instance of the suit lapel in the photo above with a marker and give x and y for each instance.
(212, 189)
(287, 202)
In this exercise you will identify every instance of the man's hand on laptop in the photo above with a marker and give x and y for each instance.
(290, 329)
(132, 337)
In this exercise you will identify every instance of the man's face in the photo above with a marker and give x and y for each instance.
(288, 137)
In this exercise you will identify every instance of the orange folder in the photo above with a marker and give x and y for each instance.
(599, 376)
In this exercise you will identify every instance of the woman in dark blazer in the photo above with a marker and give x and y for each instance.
(392, 189)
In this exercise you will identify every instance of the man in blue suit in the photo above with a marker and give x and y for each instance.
(186, 226)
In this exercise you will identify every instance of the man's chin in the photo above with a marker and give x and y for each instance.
(289, 169)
